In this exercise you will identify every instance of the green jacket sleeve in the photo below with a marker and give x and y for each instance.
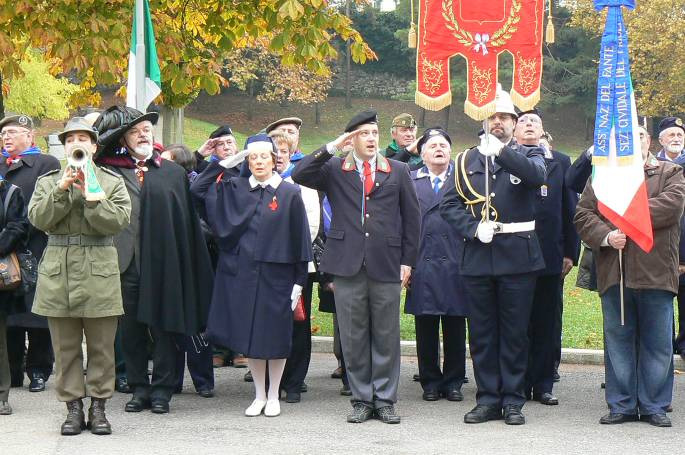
(49, 204)
(109, 216)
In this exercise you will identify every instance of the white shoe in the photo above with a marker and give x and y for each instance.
(273, 408)
(255, 408)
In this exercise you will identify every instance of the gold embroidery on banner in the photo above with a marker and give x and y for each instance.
(481, 82)
(432, 74)
(526, 72)
(499, 37)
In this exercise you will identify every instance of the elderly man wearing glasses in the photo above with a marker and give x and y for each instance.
(21, 165)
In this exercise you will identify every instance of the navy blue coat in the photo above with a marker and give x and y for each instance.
(389, 236)
(578, 173)
(517, 174)
(264, 247)
(435, 282)
(556, 205)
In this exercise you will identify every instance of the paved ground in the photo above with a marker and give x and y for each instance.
(317, 425)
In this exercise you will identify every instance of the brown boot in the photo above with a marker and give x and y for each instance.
(97, 420)
(76, 421)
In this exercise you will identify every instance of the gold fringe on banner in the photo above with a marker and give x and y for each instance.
(525, 103)
(600, 160)
(433, 104)
(479, 112)
(412, 36)
(549, 32)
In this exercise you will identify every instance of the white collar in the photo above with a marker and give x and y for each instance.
(424, 172)
(272, 181)
(360, 163)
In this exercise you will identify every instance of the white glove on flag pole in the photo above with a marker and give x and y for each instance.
(144, 76)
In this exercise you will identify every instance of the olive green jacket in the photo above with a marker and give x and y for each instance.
(79, 281)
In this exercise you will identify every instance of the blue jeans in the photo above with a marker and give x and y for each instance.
(638, 355)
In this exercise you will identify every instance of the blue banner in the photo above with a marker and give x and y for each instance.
(614, 85)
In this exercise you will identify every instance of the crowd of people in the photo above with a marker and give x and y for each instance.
(481, 238)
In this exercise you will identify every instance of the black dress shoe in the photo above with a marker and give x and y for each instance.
(657, 420)
(121, 385)
(248, 376)
(465, 381)
(386, 414)
(160, 406)
(345, 391)
(37, 383)
(303, 388)
(431, 395)
(137, 404)
(546, 398)
(614, 418)
(668, 408)
(337, 373)
(292, 397)
(556, 377)
(206, 393)
(482, 413)
(416, 378)
(513, 415)
(360, 413)
(454, 394)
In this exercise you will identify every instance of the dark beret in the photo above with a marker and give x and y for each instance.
(670, 122)
(362, 118)
(432, 132)
(223, 130)
(534, 111)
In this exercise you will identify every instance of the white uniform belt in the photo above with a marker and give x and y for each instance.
(512, 228)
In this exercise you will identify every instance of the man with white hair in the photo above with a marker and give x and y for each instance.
(671, 138)
(501, 259)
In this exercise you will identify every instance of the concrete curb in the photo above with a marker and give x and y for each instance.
(568, 355)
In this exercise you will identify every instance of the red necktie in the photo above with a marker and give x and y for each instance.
(368, 178)
(140, 171)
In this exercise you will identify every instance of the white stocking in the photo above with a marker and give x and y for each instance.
(258, 369)
(276, 367)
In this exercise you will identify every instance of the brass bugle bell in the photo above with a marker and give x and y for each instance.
(79, 160)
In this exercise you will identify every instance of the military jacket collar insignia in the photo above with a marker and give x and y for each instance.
(382, 163)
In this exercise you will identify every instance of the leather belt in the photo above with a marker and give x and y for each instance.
(512, 228)
(80, 240)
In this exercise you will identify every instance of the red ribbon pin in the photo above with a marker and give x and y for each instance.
(273, 205)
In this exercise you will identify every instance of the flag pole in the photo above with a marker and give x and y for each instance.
(140, 56)
(486, 131)
(620, 271)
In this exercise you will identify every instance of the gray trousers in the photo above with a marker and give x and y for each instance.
(368, 314)
(4, 360)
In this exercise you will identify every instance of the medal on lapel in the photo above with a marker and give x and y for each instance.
(543, 191)
(273, 205)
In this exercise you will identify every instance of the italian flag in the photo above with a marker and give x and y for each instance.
(621, 190)
(153, 81)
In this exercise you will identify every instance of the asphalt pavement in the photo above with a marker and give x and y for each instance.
(317, 425)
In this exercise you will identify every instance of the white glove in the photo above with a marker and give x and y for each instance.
(485, 231)
(295, 296)
(490, 145)
(590, 151)
(234, 160)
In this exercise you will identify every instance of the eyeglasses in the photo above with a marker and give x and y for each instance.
(12, 133)
(530, 118)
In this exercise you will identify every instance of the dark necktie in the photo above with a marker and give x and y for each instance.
(141, 168)
(368, 178)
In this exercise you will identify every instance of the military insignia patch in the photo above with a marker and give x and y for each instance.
(678, 122)
(23, 120)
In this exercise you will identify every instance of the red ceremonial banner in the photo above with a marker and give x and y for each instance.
(479, 31)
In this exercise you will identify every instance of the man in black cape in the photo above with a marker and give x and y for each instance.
(166, 273)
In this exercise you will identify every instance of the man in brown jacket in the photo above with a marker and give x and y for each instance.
(639, 355)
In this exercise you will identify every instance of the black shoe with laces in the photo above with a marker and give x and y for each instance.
(513, 415)
(360, 413)
(483, 413)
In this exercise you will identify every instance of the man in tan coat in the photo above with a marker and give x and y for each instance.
(639, 354)
(78, 285)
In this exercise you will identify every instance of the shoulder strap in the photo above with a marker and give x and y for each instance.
(6, 202)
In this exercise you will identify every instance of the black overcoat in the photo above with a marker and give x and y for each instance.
(516, 175)
(24, 173)
(389, 235)
(555, 207)
(15, 229)
(435, 281)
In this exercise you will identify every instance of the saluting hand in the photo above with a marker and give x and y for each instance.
(207, 148)
(411, 148)
(345, 139)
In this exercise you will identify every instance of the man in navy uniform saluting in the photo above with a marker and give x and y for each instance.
(500, 260)
(371, 246)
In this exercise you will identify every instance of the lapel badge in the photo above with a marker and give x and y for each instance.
(514, 180)
(273, 205)
(543, 191)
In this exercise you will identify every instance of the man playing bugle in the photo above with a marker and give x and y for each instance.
(78, 285)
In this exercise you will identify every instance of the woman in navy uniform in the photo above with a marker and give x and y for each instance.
(260, 226)
(436, 293)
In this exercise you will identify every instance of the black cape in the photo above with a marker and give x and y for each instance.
(176, 276)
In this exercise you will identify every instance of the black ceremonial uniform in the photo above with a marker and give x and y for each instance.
(498, 277)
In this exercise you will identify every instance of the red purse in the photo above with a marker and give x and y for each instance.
(299, 314)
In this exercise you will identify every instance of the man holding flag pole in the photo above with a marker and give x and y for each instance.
(629, 214)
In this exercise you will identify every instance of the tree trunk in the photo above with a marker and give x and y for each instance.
(2, 100)
(250, 104)
(422, 117)
(317, 114)
(446, 117)
(348, 95)
(172, 125)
